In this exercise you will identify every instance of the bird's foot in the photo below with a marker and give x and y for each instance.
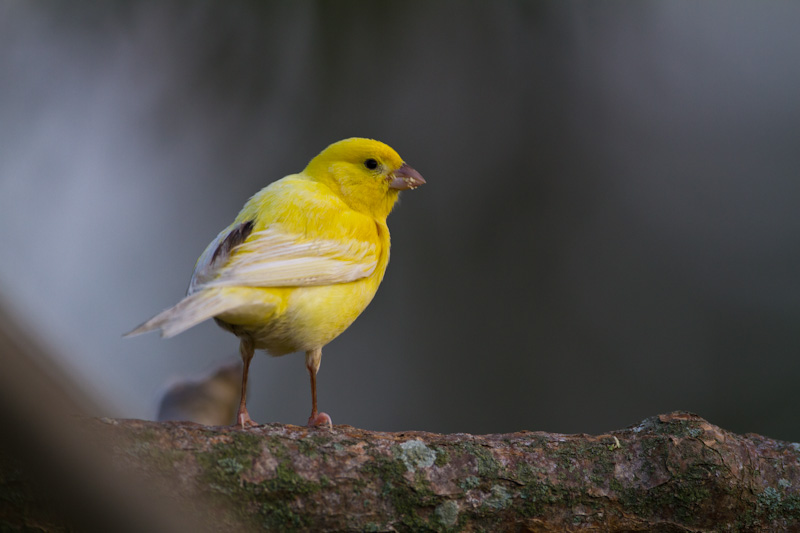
(243, 420)
(320, 419)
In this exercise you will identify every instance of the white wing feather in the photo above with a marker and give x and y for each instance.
(274, 258)
(193, 309)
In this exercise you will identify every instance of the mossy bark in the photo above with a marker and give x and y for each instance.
(673, 472)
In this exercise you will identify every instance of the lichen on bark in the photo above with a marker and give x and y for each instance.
(673, 472)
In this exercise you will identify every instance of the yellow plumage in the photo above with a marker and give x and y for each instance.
(301, 261)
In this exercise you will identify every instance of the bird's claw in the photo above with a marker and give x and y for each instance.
(320, 419)
(244, 421)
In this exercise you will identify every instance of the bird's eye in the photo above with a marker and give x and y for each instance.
(371, 164)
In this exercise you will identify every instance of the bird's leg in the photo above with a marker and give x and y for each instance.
(313, 358)
(246, 349)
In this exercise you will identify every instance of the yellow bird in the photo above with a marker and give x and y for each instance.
(301, 261)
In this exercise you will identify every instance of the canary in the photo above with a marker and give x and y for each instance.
(300, 262)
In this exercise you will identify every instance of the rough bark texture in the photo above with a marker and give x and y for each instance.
(674, 472)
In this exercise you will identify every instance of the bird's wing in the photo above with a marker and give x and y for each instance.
(217, 253)
(274, 257)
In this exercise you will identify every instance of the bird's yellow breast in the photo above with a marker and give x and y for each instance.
(288, 319)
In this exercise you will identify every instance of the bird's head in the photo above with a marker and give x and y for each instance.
(366, 174)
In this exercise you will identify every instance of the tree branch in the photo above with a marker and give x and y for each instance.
(674, 472)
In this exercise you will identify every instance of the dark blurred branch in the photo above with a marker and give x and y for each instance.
(53, 475)
(673, 472)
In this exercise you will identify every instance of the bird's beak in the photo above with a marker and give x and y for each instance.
(405, 178)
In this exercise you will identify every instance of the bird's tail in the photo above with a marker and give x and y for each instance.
(189, 312)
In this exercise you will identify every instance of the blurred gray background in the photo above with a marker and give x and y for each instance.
(609, 230)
